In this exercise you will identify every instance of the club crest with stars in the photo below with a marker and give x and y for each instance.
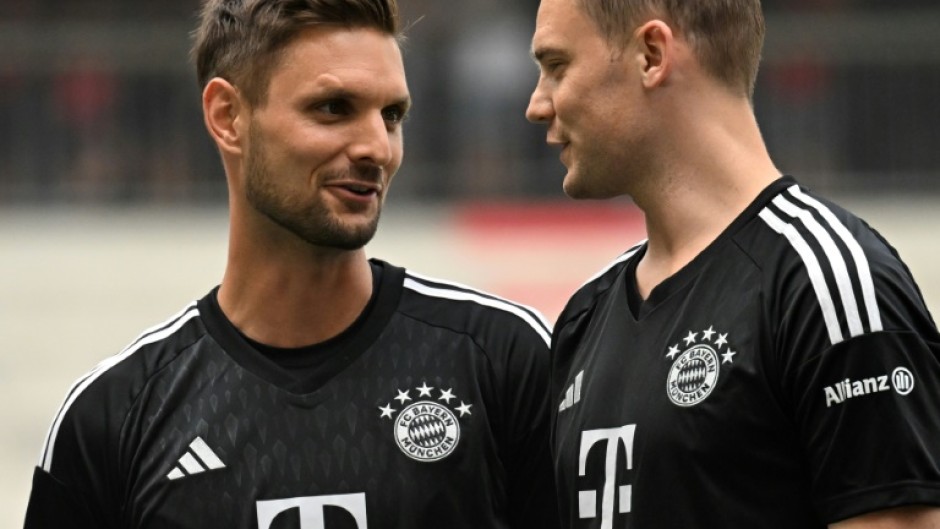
(425, 429)
(694, 372)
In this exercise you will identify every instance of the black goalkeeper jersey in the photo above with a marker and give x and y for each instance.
(430, 411)
(786, 378)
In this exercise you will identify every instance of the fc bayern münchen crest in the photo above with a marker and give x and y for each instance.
(426, 430)
(694, 373)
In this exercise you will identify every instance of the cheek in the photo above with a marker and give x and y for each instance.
(307, 154)
(579, 107)
(301, 139)
(564, 104)
(398, 152)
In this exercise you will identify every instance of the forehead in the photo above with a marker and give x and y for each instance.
(360, 60)
(561, 26)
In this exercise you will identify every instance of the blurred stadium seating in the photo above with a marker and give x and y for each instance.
(112, 199)
(98, 102)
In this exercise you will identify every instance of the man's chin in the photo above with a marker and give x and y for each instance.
(348, 236)
(574, 187)
(330, 231)
(594, 186)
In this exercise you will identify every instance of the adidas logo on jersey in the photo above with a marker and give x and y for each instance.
(573, 393)
(902, 380)
(198, 459)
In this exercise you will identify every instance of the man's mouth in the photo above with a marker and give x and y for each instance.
(360, 189)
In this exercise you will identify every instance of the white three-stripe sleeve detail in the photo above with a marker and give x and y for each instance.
(839, 269)
(623, 257)
(107, 364)
(459, 295)
(82, 379)
(159, 326)
(535, 312)
(816, 276)
(858, 255)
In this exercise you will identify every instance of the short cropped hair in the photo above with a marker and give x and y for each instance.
(726, 35)
(240, 40)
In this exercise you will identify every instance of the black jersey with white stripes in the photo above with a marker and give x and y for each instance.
(787, 377)
(430, 411)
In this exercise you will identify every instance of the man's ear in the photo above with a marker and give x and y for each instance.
(656, 52)
(225, 115)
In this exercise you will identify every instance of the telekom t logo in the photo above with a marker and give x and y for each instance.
(587, 499)
(311, 509)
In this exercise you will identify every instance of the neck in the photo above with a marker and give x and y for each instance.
(711, 170)
(292, 295)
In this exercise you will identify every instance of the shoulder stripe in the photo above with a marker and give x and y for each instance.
(835, 259)
(816, 276)
(154, 334)
(160, 326)
(140, 337)
(435, 283)
(858, 255)
(623, 257)
(462, 293)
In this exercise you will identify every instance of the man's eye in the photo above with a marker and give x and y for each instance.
(335, 107)
(553, 67)
(394, 114)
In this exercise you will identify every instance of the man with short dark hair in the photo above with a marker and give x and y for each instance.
(764, 358)
(313, 388)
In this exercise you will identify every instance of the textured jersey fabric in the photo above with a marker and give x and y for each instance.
(787, 377)
(430, 411)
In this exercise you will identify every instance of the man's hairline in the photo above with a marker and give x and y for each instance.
(275, 56)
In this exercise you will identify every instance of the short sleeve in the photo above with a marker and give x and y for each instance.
(870, 419)
(54, 504)
(866, 402)
(77, 473)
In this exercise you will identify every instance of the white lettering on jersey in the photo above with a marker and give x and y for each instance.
(427, 430)
(311, 509)
(587, 499)
(902, 380)
(694, 374)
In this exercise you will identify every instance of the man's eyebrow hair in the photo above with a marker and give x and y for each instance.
(539, 54)
(335, 92)
(344, 93)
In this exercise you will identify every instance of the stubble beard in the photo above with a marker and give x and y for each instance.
(312, 222)
(591, 180)
(603, 171)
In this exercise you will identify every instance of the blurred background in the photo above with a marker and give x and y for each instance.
(112, 199)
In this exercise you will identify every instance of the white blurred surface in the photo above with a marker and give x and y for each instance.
(76, 286)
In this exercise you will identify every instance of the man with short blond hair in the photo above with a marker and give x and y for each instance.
(764, 358)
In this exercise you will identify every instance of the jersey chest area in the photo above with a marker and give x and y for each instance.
(687, 353)
(675, 407)
(378, 445)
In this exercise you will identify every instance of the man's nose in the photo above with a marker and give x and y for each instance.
(540, 108)
(372, 142)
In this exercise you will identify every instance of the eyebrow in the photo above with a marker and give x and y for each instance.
(539, 54)
(342, 93)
